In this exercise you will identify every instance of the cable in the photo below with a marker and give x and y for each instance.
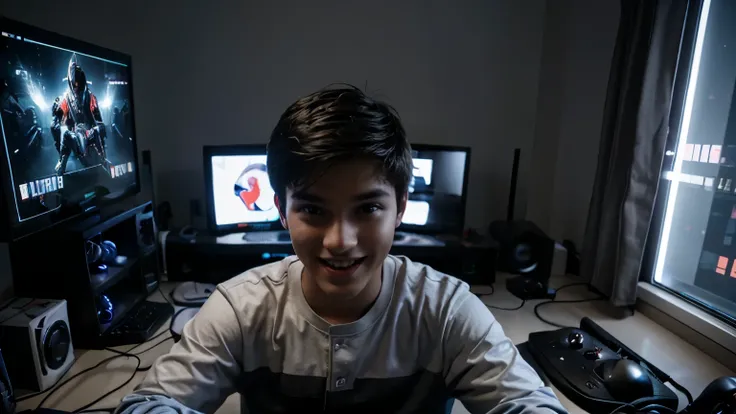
(659, 407)
(84, 371)
(28, 396)
(164, 295)
(21, 310)
(538, 305)
(493, 290)
(624, 405)
(127, 353)
(153, 338)
(644, 409)
(682, 389)
(103, 396)
(36, 394)
(523, 301)
(571, 285)
(97, 410)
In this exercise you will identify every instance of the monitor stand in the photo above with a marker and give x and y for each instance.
(192, 293)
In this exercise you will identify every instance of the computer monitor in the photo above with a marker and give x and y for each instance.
(68, 134)
(239, 193)
(438, 190)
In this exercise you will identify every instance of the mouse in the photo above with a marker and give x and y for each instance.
(575, 339)
(624, 379)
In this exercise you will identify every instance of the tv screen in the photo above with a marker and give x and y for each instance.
(68, 133)
(239, 193)
(438, 190)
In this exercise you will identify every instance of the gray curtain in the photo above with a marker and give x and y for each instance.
(632, 144)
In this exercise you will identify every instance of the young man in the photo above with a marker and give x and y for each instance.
(342, 326)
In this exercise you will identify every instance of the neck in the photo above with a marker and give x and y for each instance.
(342, 311)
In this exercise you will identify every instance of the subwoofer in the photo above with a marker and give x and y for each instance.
(36, 342)
(526, 250)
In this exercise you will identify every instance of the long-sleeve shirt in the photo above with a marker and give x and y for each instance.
(425, 339)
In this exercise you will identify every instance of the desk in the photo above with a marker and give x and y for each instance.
(686, 364)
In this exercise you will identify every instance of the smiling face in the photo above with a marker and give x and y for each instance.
(342, 227)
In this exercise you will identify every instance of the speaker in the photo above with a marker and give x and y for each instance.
(36, 342)
(526, 250)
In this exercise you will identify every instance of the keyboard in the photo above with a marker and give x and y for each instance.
(266, 237)
(139, 324)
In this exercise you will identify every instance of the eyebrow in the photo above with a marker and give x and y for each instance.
(312, 198)
(372, 194)
(308, 197)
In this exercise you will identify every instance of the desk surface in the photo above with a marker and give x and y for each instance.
(683, 362)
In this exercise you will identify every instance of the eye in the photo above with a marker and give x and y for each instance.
(370, 208)
(311, 210)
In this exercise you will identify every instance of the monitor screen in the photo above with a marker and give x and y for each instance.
(67, 125)
(437, 191)
(239, 191)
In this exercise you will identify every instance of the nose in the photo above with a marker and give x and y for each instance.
(340, 237)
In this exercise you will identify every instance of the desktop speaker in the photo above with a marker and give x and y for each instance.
(526, 250)
(36, 342)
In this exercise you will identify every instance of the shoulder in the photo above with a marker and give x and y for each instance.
(259, 279)
(422, 281)
(435, 294)
(257, 288)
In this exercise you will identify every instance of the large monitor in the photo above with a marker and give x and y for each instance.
(68, 135)
(438, 190)
(239, 193)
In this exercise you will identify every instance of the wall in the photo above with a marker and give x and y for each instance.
(579, 38)
(222, 73)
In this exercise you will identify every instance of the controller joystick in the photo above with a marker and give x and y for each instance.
(575, 340)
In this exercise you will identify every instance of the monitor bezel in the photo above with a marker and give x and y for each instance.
(19, 229)
(209, 151)
(456, 230)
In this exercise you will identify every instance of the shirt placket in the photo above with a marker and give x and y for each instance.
(341, 356)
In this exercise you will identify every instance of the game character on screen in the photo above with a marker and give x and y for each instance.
(77, 125)
(248, 188)
(342, 326)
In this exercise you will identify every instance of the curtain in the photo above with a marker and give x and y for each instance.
(632, 145)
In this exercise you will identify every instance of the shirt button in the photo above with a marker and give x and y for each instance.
(340, 382)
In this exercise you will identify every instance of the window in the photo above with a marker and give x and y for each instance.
(694, 225)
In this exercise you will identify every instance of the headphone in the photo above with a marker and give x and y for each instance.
(104, 252)
(105, 309)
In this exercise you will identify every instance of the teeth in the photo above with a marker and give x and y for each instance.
(340, 264)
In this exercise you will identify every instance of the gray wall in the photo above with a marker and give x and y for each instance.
(463, 73)
(579, 37)
(222, 72)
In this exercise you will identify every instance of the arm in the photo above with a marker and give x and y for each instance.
(486, 372)
(200, 371)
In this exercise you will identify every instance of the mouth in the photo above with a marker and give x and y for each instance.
(342, 266)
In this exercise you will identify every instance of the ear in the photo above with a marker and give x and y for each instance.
(282, 216)
(401, 209)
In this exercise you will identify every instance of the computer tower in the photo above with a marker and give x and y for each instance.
(101, 266)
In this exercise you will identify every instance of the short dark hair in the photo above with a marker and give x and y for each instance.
(336, 124)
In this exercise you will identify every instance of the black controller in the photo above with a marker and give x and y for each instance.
(596, 371)
(602, 375)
